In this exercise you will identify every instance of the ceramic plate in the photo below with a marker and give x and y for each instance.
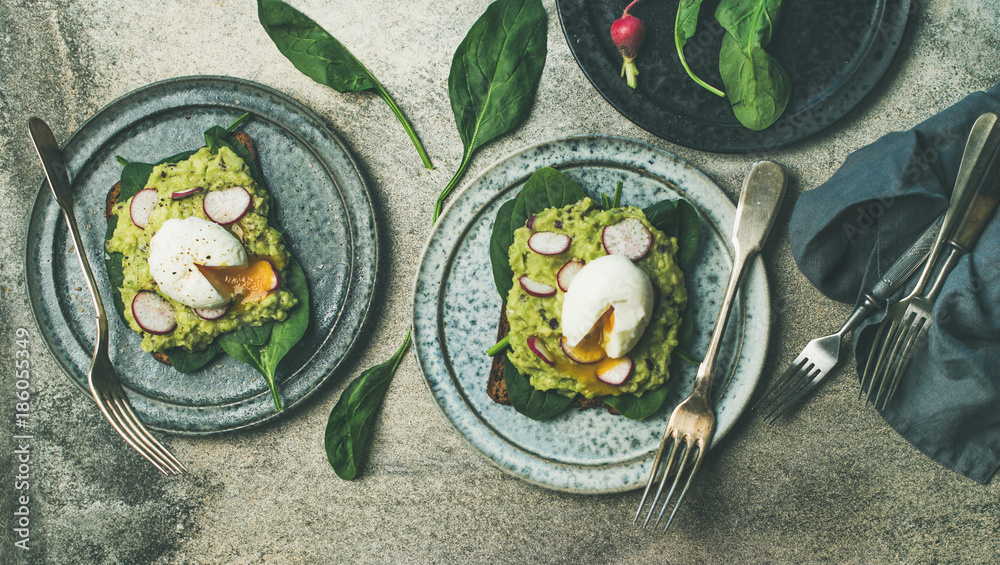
(456, 308)
(321, 202)
(835, 52)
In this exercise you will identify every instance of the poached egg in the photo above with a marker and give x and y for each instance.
(607, 306)
(180, 250)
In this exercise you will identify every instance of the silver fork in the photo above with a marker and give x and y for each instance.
(101, 378)
(820, 356)
(977, 188)
(690, 427)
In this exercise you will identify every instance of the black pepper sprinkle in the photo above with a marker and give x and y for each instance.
(649, 363)
(558, 225)
(163, 174)
(662, 248)
(553, 323)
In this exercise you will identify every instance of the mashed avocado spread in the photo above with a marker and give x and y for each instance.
(209, 171)
(540, 317)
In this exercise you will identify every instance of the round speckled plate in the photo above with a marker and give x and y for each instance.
(835, 52)
(456, 309)
(321, 203)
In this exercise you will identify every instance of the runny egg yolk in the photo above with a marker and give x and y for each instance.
(594, 359)
(248, 283)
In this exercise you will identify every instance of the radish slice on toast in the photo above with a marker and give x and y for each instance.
(549, 243)
(153, 313)
(617, 373)
(535, 288)
(628, 237)
(186, 192)
(227, 205)
(538, 348)
(567, 273)
(142, 206)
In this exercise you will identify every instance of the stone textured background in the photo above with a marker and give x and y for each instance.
(831, 483)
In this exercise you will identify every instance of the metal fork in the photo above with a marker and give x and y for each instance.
(977, 188)
(820, 356)
(689, 430)
(101, 378)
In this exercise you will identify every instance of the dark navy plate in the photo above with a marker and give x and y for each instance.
(835, 52)
(321, 203)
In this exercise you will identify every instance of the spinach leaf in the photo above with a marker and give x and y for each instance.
(678, 219)
(217, 136)
(639, 407)
(500, 241)
(184, 361)
(319, 56)
(262, 347)
(545, 188)
(526, 399)
(494, 76)
(350, 423)
(689, 228)
(685, 26)
(758, 86)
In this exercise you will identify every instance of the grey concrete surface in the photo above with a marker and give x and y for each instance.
(831, 484)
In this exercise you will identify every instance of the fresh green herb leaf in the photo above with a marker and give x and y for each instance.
(263, 347)
(350, 423)
(526, 399)
(239, 121)
(319, 56)
(545, 188)
(758, 86)
(184, 361)
(494, 76)
(689, 228)
(606, 202)
(500, 241)
(618, 194)
(685, 27)
(639, 407)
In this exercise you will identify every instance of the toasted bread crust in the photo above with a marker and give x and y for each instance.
(115, 194)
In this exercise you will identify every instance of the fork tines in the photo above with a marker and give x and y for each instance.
(797, 380)
(663, 470)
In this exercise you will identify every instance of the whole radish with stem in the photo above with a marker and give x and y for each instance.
(627, 32)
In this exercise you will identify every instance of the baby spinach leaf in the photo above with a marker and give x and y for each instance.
(184, 361)
(526, 399)
(689, 228)
(319, 56)
(350, 423)
(758, 86)
(639, 407)
(494, 76)
(545, 188)
(262, 347)
(685, 26)
(500, 241)
(663, 216)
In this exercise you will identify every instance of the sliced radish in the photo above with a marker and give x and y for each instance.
(618, 373)
(530, 224)
(227, 205)
(535, 288)
(549, 243)
(567, 273)
(142, 206)
(186, 192)
(153, 313)
(275, 278)
(628, 237)
(582, 357)
(538, 348)
(211, 313)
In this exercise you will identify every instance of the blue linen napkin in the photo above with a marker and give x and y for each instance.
(848, 231)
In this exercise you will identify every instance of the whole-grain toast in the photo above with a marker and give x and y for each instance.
(115, 194)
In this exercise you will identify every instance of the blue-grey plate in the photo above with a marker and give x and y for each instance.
(456, 309)
(321, 203)
(835, 52)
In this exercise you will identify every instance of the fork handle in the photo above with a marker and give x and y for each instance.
(762, 192)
